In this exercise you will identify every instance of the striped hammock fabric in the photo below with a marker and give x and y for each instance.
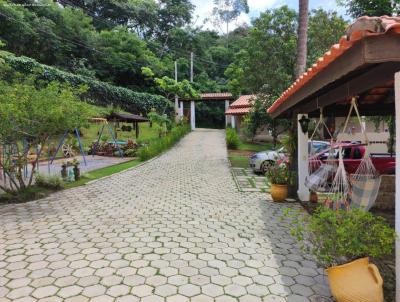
(364, 191)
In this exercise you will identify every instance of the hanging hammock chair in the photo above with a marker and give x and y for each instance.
(320, 172)
(358, 190)
(338, 197)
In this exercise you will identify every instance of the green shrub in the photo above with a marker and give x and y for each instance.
(130, 152)
(99, 93)
(336, 237)
(49, 182)
(159, 145)
(232, 138)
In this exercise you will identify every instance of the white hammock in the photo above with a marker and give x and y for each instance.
(338, 197)
(318, 171)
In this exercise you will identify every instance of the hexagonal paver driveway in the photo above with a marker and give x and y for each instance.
(173, 229)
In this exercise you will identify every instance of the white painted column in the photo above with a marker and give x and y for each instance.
(233, 120)
(302, 159)
(181, 110)
(192, 115)
(176, 109)
(226, 117)
(397, 204)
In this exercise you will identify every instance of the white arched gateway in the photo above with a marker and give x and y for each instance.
(190, 113)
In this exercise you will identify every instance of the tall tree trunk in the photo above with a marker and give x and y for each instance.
(302, 38)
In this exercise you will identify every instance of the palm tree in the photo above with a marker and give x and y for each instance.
(302, 38)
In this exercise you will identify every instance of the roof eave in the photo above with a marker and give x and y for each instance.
(365, 54)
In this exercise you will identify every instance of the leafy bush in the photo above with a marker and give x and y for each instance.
(336, 237)
(161, 123)
(49, 182)
(159, 145)
(232, 138)
(32, 115)
(130, 152)
(100, 93)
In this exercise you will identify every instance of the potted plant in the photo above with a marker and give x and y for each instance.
(313, 196)
(342, 241)
(64, 172)
(278, 176)
(77, 170)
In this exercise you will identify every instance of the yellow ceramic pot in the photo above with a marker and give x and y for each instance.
(279, 192)
(357, 281)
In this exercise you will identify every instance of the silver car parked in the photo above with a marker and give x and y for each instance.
(260, 161)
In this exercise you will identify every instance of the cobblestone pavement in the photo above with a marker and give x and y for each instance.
(248, 181)
(174, 229)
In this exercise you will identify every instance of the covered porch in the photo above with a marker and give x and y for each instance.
(364, 64)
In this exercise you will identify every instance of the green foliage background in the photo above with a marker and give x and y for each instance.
(99, 93)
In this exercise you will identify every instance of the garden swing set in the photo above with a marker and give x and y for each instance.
(357, 190)
(104, 125)
(10, 152)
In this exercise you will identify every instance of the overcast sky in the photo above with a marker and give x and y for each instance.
(204, 8)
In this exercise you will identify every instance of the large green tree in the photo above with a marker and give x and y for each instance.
(269, 57)
(267, 61)
(325, 28)
(358, 8)
(227, 11)
(120, 57)
(29, 116)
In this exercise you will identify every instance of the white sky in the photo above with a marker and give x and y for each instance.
(204, 9)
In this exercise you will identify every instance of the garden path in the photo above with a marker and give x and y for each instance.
(173, 229)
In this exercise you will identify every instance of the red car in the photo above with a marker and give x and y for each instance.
(384, 163)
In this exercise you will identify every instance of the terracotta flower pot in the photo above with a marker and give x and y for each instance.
(279, 192)
(356, 281)
(313, 197)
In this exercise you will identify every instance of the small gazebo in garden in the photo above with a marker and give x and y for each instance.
(238, 109)
(117, 117)
(365, 64)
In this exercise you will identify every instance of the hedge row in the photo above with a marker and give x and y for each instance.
(159, 145)
(99, 93)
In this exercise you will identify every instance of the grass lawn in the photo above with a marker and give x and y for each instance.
(239, 161)
(91, 134)
(242, 160)
(102, 172)
(255, 147)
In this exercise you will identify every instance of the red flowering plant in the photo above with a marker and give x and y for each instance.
(278, 172)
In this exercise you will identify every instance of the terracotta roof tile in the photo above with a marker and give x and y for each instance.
(238, 111)
(216, 95)
(241, 106)
(361, 28)
(242, 101)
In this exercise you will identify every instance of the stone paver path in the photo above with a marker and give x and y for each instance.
(175, 229)
(247, 181)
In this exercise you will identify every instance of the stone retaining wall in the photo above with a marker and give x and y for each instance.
(386, 196)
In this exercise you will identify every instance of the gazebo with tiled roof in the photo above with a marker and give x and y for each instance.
(239, 108)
